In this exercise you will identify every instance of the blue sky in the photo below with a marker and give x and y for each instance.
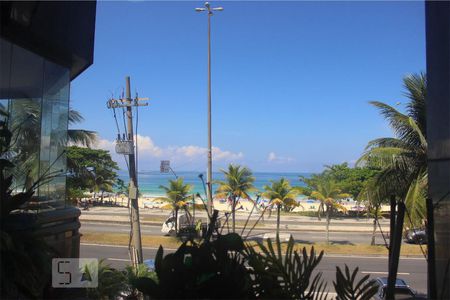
(291, 80)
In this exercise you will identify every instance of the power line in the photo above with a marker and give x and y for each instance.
(125, 146)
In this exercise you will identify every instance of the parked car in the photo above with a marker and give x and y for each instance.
(402, 289)
(416, 236)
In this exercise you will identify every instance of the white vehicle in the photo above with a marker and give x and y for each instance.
(187, 225)
(168, 227)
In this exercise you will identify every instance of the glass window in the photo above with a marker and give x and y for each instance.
(35, 94)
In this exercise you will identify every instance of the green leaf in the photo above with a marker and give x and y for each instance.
(146, 285)
(158, 260)
(231, 242)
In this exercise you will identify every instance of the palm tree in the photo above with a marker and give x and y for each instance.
(403, 158)
(328, 193)
(121, 188)
(25, 117)
(237, 185)
(371, 194)
(178, 195)
(101, 184)
(24, 123)
(281, 194)
(79, 136)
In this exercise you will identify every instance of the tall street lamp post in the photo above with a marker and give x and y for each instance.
(209, 10)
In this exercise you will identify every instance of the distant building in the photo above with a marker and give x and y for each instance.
(44, 45)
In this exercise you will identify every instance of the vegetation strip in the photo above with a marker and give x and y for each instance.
(171, 242)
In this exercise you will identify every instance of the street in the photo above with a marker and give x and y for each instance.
(300, 236)
(413, 270)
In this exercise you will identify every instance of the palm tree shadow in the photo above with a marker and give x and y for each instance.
(303, 242)
(260, 238)
(341, 243)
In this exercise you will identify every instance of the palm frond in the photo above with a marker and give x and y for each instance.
(74, 116)
(386, 143)
(399, 123)
(285, 274)
(81, 137)
(380, 157)
(415, 201)
(416, 91)
(417, 130)
(347, 289)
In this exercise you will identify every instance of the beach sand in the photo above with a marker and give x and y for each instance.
(152, 202)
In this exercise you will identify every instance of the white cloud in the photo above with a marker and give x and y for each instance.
(148, 150)
(189, 151)
(146, 145)
(192, 151)
(105, 145)
(273, 157)
(219, 154)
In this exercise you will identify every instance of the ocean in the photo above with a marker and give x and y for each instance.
(150, 181)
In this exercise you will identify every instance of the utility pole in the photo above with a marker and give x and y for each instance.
(209, 10)
(126, 146)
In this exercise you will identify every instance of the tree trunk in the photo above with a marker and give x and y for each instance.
(357, 211)
(395, 251)
(328, 224)
(176, 221)
(101, 197)
(375, 220)
(372, 243)
(393, 205)
(278, 219)
(233, 211)
(318, 211)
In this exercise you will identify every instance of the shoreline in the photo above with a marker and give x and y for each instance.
(152, 202)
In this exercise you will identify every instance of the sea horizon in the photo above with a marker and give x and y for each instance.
(149, 181)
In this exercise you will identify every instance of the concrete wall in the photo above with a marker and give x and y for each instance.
(438, 134)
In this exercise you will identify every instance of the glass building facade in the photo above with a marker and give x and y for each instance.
(34, 94)
(44, 45)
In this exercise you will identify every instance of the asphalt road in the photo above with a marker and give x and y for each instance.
(413, 270)
(242, 216)
(303, 237)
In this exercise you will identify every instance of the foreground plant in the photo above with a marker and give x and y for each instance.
(278, 274)
(347, 289)
(117, 284)
(207, 270)
(111, 283)
(25, 259)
